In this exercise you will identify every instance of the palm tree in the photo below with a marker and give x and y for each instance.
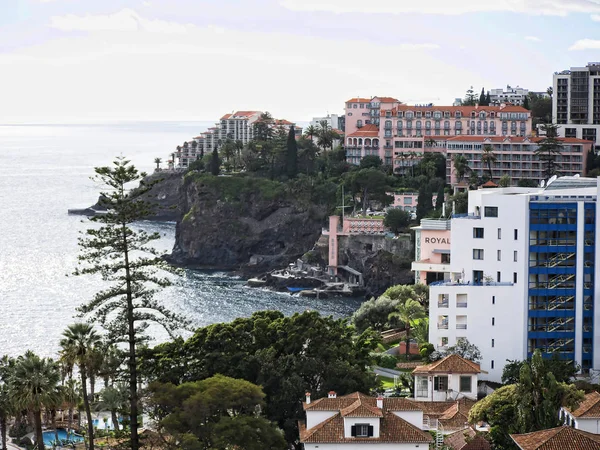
(71, 397)
(34, 387)
(310, 131)
(408, 312)
(488, 157)
(461, 166)
(7, 366)
(78, 346)
(113, 399)
(157, 161)
(412, 155)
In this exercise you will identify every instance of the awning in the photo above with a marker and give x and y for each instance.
(441, 251)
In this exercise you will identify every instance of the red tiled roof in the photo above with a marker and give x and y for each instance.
(387, 99)
(450, 364)
(560, 438)
(339, 403)
(282, 122)
(589, 407)
(358, 100)
(465, 110)
(489, 184)
(393, 429)
(360, 409)
(369, 130)
(226, 116)
(458, 440)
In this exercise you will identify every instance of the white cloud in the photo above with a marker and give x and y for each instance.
(596, 17)
(586, 44)
(533, 38)
(537, 7)
(124, 20)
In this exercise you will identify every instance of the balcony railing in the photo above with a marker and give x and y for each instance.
(443, 304)
(466, 216)
(479, 283)
(461, 326)
(461, 304)
(442, 326)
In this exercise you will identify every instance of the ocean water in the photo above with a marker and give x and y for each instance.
(45, 170)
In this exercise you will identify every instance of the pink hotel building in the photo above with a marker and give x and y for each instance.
(399, 134)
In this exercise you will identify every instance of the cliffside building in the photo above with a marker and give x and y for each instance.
(522, 275)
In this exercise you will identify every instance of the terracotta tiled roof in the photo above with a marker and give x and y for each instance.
(489, 184)
(358, 100)
(387, 99)
(340, 403)
(282, 122)
(369, 130)
(360, 409)
(458, 440)
(589, 407)
(464, 110)
(450, 364)
(226, 116)
(393, 429)
(560, 438)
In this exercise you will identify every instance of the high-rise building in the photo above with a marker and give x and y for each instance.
(576, 102)
(522, 275)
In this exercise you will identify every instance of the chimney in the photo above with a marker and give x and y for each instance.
(308, 398)
(380, 402)
(331, 394)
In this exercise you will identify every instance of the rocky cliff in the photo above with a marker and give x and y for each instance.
(252, 224)
(383, 261)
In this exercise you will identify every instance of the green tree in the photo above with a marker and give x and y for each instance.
(71, 397)
(488, 158)
(113, 399)
(78, 344)
(526, 102)
(460, 202)
(470, 97)
(310, 132)
(541, 109)
(488, 99)
(461, 167)
(527, 182)
(424, 202)
(218, 412)
(440, 197)
(326, 135)
(370, 184)
(124, 257)
(482, 97)
(263, 127)
(396, 220)
(292, 154)
(34, 387)
(287, 356)
(371, 162)
(215, 163)
(374, 314)
(462, 348)
(549, 148)
(408, 312)
(7, 406)
(504, 181)
(564, 371)
(157, 161)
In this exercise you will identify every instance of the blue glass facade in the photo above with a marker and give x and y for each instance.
(553, 237)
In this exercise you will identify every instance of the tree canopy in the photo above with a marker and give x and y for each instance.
(396, 220)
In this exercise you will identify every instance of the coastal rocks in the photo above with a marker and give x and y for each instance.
(382, 260)
(243, 223)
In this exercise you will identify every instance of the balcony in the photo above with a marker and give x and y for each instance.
(442, 325)
(426, 266)
(461, 326)
(388, 147)
(466, 216)
(477, 284)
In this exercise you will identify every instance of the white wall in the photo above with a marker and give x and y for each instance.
(589, 425)
(413, 417)
(365, 446)
(350, 421)
(314, 418)
(453, 392)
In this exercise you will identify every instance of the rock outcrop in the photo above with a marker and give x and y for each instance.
(243, 223)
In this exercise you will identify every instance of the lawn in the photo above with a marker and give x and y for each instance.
(386, 382)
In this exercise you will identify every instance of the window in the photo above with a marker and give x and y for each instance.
(493, 321)
(490, 211)
(361, 430)
(499, 233)
(515, 255)
(465, 383)
(515, 277)
(477, 253)
(498, 277)
(478, 233)
(444, 341)
(493, 299)
(492, 365)
(359, 124)
(493, 343)
(516, 234)
(422, 388)
(440, 383)
(499, 255)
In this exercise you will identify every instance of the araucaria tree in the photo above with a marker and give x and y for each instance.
(292, 154)
(549, 149)
(135, 270)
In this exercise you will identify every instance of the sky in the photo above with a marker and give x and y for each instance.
(100, 60)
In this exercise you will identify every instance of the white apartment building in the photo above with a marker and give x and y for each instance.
(333, 120)
(576, 102)
(522, 275)
(514, 95)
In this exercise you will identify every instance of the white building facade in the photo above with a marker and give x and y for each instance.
(522, 276)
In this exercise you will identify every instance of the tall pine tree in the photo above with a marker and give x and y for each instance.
(122, 256)
(488, 99)
(291, 162)
(549, 148)
(482, 97)
(215, 163)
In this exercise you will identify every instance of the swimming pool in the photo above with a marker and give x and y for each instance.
(50, 436)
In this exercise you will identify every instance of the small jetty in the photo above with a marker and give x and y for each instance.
(309, 281)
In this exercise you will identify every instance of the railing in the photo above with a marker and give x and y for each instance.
(444, 304)
(461, 326)
(461, 304)
(479, 283)
(466, 216)
(442, 326)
